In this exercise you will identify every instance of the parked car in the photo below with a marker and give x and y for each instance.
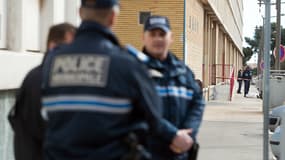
(275, 142)
(275, 117)
(274, 126)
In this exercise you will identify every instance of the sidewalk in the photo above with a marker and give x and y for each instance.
(232, 130)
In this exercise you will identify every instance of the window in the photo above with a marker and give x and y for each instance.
(3, 23)
(30, 29)
(144, 16)
(193, 24)
(0, 27)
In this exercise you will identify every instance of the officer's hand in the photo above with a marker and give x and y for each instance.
(182, 142)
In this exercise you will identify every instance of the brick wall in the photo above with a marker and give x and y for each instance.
(130, 31)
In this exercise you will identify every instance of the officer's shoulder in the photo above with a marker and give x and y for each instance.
(124, 57)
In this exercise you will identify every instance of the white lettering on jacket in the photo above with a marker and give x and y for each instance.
(80, 70)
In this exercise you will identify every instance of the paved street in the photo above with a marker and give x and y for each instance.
(232, 130)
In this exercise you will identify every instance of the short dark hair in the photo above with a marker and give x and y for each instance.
(200, 83)
(57, 32)
(103, 4)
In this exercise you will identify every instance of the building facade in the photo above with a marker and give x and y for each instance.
(207, 33)
(24, 26)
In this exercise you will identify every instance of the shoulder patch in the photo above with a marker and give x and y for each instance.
(155, 73)
(79, 70)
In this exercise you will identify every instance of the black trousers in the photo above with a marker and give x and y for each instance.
(239, 86)
(246, 86)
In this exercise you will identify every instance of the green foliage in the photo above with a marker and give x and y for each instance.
(256, 43)
(247, 55)
(254, 71)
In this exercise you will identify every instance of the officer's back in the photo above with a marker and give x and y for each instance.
(94, 94)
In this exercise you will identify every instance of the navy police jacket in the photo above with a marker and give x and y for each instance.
(94, 94)
(247, 75)
(239, 78)
(183, 102)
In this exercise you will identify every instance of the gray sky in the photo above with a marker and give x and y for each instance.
(252, 16)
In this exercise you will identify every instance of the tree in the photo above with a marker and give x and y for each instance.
(256, 43)
(247, 54)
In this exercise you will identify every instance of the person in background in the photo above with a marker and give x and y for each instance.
(200, 84)
(247, 75)
(95, 95)
(239, 80)
(25, 117)
(182, 98)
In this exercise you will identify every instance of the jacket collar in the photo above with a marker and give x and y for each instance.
(92, 26)
(171, 66)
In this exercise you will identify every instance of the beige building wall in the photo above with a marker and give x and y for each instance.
(213, 32)
(130, 31)
(229, 13)
(223, 34)
(194, 20)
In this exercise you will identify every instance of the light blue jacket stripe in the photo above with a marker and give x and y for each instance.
(85, 103)
(86, 100)
(175, 91)
(91, 108)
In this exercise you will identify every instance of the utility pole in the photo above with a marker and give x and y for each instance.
(261, 44)
(261, 50)
(278, 34)
(267, 34)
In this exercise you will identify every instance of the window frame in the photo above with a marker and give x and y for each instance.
(141, 20)
(3, 24)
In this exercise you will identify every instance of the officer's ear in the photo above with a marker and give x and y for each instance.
(171, 37)
(81, 12)
(143, 36)
(112, 19)
(113, 16)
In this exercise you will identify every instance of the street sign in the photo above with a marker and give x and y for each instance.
(281, 53)
(261, 65)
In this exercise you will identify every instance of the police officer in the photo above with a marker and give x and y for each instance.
(25, 117)
(183, 103)
(95, 94)
(239, 80)
(246, 75)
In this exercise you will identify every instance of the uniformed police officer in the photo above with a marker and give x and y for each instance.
(246, 75)
(239, 80)
(95, 94)
(183, 103)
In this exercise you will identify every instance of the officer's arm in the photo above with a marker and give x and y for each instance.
(150, 105)
(195, 109)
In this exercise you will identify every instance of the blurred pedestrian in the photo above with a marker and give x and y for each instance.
(247, 76)
(200, 84)
(25, 117)
(239, 80)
